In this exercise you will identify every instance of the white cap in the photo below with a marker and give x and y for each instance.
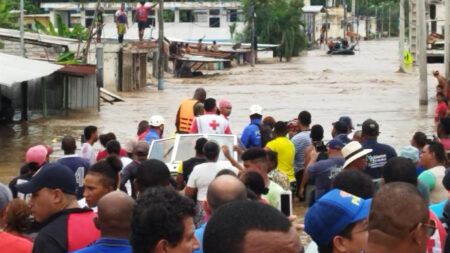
(255, 109)
(156, 120)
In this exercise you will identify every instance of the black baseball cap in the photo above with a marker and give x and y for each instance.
(51, 175)
(370, 127)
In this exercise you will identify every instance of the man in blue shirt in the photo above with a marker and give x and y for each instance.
(74, 162)
(156, 129)
(222, 190)
(114, 215)
(380, 154)
(251, 136)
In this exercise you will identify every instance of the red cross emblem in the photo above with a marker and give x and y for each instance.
(214, 125)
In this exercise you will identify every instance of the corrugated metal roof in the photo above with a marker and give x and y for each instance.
(15, 69)
(36, 38)
(312, 8)
(78, 70)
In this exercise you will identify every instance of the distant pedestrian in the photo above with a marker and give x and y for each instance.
(141, 17)
(76, 164)
(210, 122)
(87, 150)
(225, 108)
(104, 139)
(185, 114)
(143, 129)
(129, 173)
(54, 204)
(113, 221)
(301, 141)
(251, 135)
(121, 22)
(441, 81)
(441, 107)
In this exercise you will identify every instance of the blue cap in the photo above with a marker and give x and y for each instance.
(347, 120)
(51, 175)
(335, 144)
(332, 213)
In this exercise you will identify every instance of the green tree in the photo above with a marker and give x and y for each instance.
(277, 22)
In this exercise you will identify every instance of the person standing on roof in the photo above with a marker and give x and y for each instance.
(141, 17)
(121, 22)
(185, 114)
(210, 122)
(100, 24)
(156, 128)
(251, 136)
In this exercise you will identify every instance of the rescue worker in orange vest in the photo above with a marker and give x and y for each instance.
(185, 114)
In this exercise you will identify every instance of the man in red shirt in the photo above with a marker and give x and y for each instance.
(441, 107)
(141, 17)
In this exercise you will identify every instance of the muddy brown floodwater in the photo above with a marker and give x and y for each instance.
(361, 86)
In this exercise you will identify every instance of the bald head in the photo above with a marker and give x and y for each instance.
(68, 144)
(392, 200)
(224, 189)
(200, 94)
(114, 215)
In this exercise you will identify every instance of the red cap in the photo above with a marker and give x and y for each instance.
(37, 154)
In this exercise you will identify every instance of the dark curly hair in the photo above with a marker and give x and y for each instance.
(109, 169)
(159, 214)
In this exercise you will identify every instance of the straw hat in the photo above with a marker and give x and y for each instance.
(352, 151)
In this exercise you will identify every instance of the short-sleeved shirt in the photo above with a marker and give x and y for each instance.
(152, 135)
(203, 174)
(379, 156)
(323, 172)
(142, 12)
(185, 168)
(301, 141)
(280, 178)
(273, 196)
(87, 152)
(10, 243)
(286, 152)
(79, 167)
(121, 17)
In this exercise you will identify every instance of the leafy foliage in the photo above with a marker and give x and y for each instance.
(277, 22)
(77, 32)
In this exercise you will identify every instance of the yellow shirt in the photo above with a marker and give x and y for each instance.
(286, 152)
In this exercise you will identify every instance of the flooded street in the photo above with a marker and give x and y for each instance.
(361, 86)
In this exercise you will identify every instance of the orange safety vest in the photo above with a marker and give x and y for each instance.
(186, 115)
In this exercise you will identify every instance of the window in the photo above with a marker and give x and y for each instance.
(186, 16)
(232, 16)
(214, 12)
(201, 16)
(214, 22)
(168, 16)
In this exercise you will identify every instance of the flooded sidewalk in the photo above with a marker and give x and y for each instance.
(361, 86)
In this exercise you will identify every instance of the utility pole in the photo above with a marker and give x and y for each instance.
(382, 20)
(161, 46)
(447, 40)
(252, 61)
(422, 59)
(401, 42)
(345, 18)
(389, 29)
(22, 40)
(376, 21)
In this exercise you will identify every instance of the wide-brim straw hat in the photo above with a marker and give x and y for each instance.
(352, 151)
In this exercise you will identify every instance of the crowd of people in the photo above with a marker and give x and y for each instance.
(363, 196)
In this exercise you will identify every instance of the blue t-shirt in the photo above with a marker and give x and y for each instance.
(379, 156)
(152, 135)
(322, 172)
(199, 234)
(301, 141)
(79, 167)
(107, 245)
(251, 136)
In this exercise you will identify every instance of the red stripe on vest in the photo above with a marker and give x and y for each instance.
(81, 230)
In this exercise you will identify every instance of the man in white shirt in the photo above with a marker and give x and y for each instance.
(210, 122)
(203, 174)
(87, 151)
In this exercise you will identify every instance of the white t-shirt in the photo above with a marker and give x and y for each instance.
(87, 152)
(203, 174)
